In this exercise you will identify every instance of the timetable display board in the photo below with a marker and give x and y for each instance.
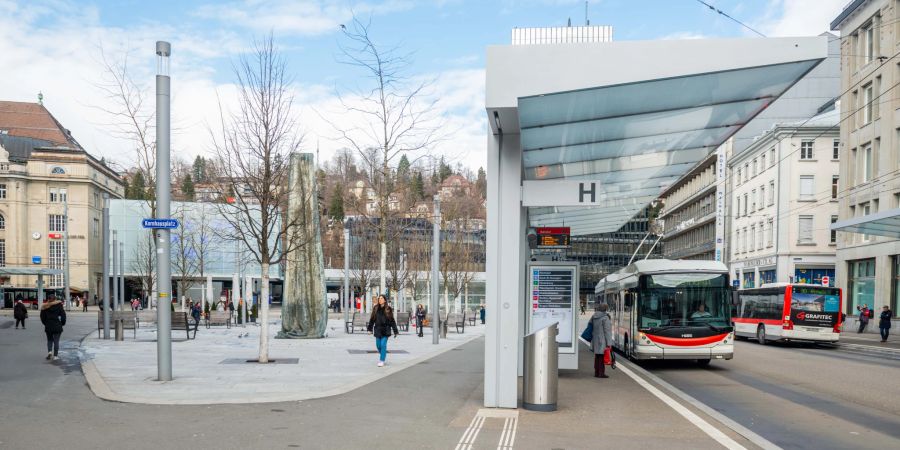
(552, 237)
(553, 295)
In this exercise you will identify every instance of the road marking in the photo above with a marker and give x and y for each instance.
(507, 438)
(719, 417)
(703, 425)
(868, 348)
(471, 433)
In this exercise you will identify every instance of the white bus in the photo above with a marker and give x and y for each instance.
(789, 312)
(664, 309)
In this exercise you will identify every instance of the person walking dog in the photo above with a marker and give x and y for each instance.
(601, 340)
(20, 313)
(381, 323)
(53, 316)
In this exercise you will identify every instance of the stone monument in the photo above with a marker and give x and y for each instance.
(304, 307)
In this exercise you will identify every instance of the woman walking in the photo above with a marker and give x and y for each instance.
(20, 313)
(381, 323)
(884, 323)
(53, 316)
(601, 340)
(420, 320)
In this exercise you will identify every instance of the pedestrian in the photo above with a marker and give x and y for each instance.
(601, 339)
(20, 313)
(863, 317)
(481, 314)
(381, 323)
(84, 303)
(420, 320)
(53, 316)
(195, 313)
(884, 322)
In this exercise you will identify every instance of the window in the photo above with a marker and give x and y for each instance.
(833, 232)
(2, 222)
(58, 171)
(96, 228)
(737, 241)
(836, 150)
(806, 150)
(752, 238)
(56, 260)
(762, 162)
(57, 223)
(97, 200)
(759, 236)
(755, 167)
(865, 209)
(753, 201)
(746, 172)
(771, 193)
(2, 252)
(739, 176)
(63, 196)
(868, 36)
(744, 240)
(745, 204)
(834, 186)
(867, 164)
(2, 190)
(738, 209)
(772, 156)
(54, 195)
(862, 284)
(770, 232)
(807, 187)
(867, 104)
(805, 234)
(895, 285)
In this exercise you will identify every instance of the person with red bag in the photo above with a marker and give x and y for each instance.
(601, 340)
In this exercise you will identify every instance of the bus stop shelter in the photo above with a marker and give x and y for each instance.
(39, 272)
(586, 135)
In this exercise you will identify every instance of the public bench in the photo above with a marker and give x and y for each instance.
(472, 318)
(128, 318)
(403, 321)
(357, 321)
(180, 321)
(458, 320)
(218, 318)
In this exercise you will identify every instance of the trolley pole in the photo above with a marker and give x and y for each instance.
(163, 205)
(435, 266)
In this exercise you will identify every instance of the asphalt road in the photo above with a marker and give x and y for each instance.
(801, 396)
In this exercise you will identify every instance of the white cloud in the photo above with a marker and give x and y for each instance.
(799, 17)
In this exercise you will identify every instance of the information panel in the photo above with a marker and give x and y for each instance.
(553, 292)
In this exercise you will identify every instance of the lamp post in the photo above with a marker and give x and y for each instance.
(163, 206)
(105, 245)
(115, 271)
(66, 290)
(348, 297)
(435, 265)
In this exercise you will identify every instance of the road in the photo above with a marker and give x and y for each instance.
(800, 396)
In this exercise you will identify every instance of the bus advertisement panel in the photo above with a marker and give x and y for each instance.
(815, 306)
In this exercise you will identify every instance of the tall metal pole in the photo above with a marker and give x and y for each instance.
(122, 275)
(115, 271)
(348, 296)
(435, 263)
(163, 205)
(66, 290)
(401, 298)
(105, 244)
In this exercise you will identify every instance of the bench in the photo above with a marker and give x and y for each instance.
(457, 320)
(358, 321)
(473, 317)
(218, 318)
(128, 318)
(180, 321)
(403, 321)
(146, 317)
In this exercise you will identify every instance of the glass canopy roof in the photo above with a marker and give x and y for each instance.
(638, 138)
(885, 223)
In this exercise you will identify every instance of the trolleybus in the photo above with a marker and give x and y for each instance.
(795, 312)
(664, 309)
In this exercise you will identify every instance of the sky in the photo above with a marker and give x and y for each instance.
(56, 47)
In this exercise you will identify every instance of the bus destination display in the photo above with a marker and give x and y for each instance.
(552, 292)
(552, 237)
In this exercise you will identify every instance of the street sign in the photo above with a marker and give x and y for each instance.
(54, 235)
(735, 283)
(160, 223)
(562, 193)
(35, 259)
(826, 281)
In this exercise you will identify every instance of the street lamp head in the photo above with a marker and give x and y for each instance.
(163, 51)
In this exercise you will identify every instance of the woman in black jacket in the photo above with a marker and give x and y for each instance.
(420, 320)
(884, 323)
(53, 316)
(381, 323)
(20, 313)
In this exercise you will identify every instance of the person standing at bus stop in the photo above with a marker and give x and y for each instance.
(601, 340)
(884, 322)
(863, 317)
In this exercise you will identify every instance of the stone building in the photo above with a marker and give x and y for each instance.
(43, 170)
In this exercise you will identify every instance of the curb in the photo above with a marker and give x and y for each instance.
(101, 389)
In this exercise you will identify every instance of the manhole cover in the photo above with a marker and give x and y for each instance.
(365, 352)
(254, 361)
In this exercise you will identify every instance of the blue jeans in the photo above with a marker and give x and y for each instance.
(381, 345)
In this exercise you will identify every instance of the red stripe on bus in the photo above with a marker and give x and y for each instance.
(686, 342)
(765, 321)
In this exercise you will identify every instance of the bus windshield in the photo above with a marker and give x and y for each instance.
(684, 299)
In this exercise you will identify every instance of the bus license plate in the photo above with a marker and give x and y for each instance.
(815, 330)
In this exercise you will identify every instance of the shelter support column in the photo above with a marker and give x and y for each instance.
(505, 271)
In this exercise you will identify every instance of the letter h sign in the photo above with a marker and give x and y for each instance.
(582, 192)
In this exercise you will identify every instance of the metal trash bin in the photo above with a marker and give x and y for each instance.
(120, 330)
(541, 367)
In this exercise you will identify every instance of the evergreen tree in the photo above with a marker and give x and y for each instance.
(444, 170)
(138, 188)
(200, 169)
(127, 187)
(417, 186)
(481, 183)
(187, 187)
(336, 207)
(403, 169)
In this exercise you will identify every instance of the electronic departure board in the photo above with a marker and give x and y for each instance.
(552, 237)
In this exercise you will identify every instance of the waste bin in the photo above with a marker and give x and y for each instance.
(120, 330)
(541, 369)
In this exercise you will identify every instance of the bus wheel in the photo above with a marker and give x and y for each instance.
(761, 334)
(703, 362)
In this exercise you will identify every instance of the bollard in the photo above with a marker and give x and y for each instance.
(120, 330)
(541, 369)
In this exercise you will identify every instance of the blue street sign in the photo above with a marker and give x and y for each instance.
(35, 259)
(160, 223)
(735, 283)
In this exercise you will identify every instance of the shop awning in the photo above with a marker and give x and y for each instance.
(884, 223)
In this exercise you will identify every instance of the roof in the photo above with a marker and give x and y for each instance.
(847, 11)
(666, 266)
(883, 223)
(29, 271)
(33, 120)
(20, 148)
(830, 118)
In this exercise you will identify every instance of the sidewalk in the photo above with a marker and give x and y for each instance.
(212, 369)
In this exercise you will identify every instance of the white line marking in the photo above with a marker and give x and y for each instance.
(508, 437)
(471, 433)
(703, 425)
(502, 444)
(721, 418)
(512, 436)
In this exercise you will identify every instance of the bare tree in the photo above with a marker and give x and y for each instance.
(252, 151)
(458, 248)
(203, 241)
(396, 119)
(144, 264)
(184, 258)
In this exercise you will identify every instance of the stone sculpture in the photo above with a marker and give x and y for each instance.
(304, 308)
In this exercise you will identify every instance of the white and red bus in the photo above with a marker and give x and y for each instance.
(789, 312)
(664, 309)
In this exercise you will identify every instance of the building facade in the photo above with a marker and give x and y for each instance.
(688, 217)
(45, 174)
(868, 267)
(783, 192)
